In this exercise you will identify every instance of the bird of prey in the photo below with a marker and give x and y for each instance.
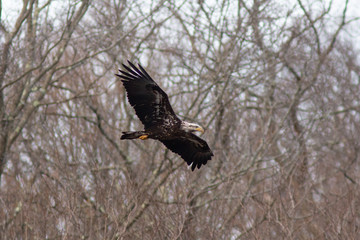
(160, 122)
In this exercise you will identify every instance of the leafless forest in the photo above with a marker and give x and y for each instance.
(276, 86)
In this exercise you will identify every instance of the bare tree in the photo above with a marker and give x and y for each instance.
(276, 87)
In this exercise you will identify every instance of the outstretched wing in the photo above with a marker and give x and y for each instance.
(150, 102)
(191, 148)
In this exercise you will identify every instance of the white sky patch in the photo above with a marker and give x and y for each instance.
(10, 11)
(12, 8)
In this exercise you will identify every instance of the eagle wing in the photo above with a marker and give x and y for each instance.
(191, 148)
(150, 102)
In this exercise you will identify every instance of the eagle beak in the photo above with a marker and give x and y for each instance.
(200, 129)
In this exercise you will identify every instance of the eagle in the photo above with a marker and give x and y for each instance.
(160, 122)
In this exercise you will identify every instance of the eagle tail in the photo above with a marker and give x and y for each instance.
(132, 135)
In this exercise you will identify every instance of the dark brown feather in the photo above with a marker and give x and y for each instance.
(153, 108)
(191, 148)
(150, 102)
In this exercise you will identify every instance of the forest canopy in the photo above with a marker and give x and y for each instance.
(275, 85)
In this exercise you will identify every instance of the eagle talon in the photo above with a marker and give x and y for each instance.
(143, 137)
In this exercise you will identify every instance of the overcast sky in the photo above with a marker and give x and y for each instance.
(13, 7)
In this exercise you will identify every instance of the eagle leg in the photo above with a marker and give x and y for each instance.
(143, 137)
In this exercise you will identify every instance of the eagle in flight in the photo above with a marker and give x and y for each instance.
(153, 108)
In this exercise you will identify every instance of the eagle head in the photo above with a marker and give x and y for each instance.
(191, 127)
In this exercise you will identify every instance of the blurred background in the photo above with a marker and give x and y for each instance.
(276, 85)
